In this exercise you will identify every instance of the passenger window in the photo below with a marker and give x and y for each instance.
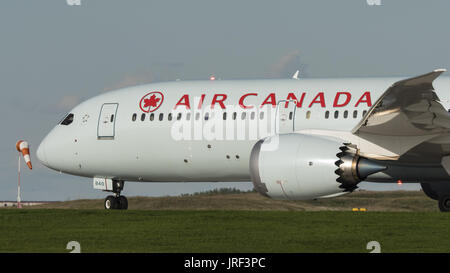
(68, 120)
(179, 116)
(261, 115)
(336, 114)
(364, 112)
(188, 116)
(234, 115)
(112, 118)
(206, 116)
(197, 116)
(161, 117)
(152, 117)
(252, 116)
(133, 118)
(224, 115)
(355, 114)
(308, 114)
(142, 117)
(169, 117)
(327, 114)
(243, 115)
(291, 115)
(345, 114)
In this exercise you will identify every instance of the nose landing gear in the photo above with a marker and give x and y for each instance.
(113, 202)
(116, 201)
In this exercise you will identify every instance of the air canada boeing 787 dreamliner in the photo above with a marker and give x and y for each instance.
(295, 139)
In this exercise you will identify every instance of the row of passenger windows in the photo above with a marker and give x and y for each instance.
(234, 115)
(179, 116)
(345, 115)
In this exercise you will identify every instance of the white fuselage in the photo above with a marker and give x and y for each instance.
(124, 147)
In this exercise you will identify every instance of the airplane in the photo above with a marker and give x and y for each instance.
(294, 139)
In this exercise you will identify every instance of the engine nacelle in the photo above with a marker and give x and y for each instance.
(300, 167)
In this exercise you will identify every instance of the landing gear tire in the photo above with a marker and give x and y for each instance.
(444, 203)
(123, 202)
(111, 202)
(116, 201)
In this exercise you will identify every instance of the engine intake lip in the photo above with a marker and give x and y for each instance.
(254, 169)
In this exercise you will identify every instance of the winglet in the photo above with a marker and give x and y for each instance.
(295, 76)
(424, 79)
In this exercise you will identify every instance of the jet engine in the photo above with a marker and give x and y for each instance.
(300, 167)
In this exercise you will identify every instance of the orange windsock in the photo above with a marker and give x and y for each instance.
(22, 146)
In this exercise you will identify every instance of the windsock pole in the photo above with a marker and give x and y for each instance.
(18, 186)
(24, 150)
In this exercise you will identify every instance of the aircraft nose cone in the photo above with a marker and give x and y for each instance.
(40, 153)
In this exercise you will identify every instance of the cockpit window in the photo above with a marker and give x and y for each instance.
(68, 120)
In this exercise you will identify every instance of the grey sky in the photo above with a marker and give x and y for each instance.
(53, 56)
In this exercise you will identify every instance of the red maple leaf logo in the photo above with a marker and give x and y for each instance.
(151, 102)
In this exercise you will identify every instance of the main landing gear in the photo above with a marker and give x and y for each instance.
(116, 201)
(439, 191)
(444, 203)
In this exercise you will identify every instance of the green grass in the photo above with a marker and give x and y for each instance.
(49, 230)
(400, 201)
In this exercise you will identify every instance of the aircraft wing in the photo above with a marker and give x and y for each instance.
(409, 121)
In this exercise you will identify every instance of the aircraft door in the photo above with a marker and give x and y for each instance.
(285, 116)
(107, 121)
